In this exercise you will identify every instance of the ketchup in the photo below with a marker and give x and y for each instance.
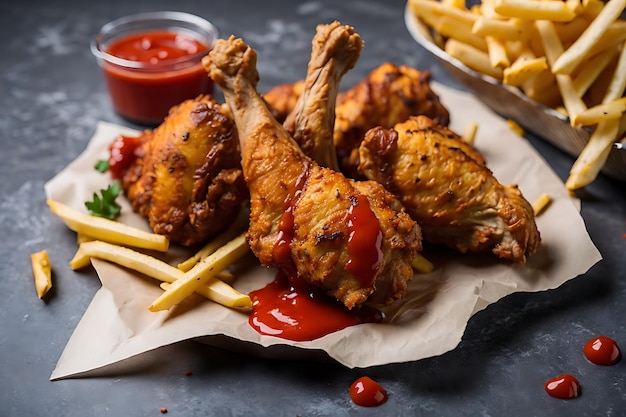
(122, 154)
(564, 387)
(367, 393)
(602, 350)
(364, 242)
(281, 253)
(293, 310)
(169, 71)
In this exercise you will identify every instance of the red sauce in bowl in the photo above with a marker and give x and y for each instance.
(159, 70)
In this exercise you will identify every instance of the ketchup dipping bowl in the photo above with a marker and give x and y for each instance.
(152, 61)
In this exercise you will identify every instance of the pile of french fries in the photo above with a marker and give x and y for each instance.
(119, 243)
(569, 55)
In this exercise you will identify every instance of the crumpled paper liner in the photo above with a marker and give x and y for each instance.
(429, 321)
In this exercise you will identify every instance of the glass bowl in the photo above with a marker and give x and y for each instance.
(152, 61)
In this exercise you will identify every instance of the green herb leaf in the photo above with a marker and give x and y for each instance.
(106, 206)
(102, 166)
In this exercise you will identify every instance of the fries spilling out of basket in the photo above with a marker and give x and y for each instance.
(568, 55)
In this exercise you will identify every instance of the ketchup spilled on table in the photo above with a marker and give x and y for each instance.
(602, 350)
(168, 71)
(367, 393)
(292, 309)
(563, 387)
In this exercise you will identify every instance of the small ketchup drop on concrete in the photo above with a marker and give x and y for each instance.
(367, 393)
(564, 387)
(602, 350)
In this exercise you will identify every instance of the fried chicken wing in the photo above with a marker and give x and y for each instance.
(187, 178)
(388, 95)
(445, 186)
(336, 234)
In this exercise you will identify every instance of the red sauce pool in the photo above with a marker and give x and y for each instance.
(171, 73)
(122, 154)
(602, 350)
(367, 393)
(564, 387)
(295, 311)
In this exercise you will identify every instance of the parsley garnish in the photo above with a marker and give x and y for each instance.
(102, 166)
(106, 206)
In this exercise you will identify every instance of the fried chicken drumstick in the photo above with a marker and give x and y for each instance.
(444, 184)
(187, 178)
(337, 234)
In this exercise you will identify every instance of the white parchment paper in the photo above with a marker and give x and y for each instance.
(429, 321)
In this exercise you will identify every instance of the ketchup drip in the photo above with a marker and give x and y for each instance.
(364, 242)
(291, 309)
(282, 251)
(122, 154)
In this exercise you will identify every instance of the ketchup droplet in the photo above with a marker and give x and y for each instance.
(564, 387)
(367, 393)
(122, 154)
(602, 350)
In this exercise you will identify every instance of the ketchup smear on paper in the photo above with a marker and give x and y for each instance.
(295, 310)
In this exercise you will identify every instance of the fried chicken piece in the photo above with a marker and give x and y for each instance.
(335, 50)
(445, 186)
(388, 95)
(302, 214)
(283, 98)
(187, 178)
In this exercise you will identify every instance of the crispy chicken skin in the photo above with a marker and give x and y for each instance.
(187, 178)
(292, 194)
(445, 186)
(388, 95)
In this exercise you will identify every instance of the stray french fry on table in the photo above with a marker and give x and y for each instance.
(42, 272)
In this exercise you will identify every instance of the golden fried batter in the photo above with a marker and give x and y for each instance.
(445, 186)
(187, 178)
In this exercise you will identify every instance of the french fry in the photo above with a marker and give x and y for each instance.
(505, 30)
(496, 50)
(42, 272)
(572, 57)
(473, 58)
(553, 10)
(108, 230)
(216, 290)
(541, 203)
(612, 110)
(592, 158)
(592, 69)
(519, 131)
(201, 274)
(421, 264)
(221, 293)
(553, 48)
(523, 70)
(469, 135)
(238, 226)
